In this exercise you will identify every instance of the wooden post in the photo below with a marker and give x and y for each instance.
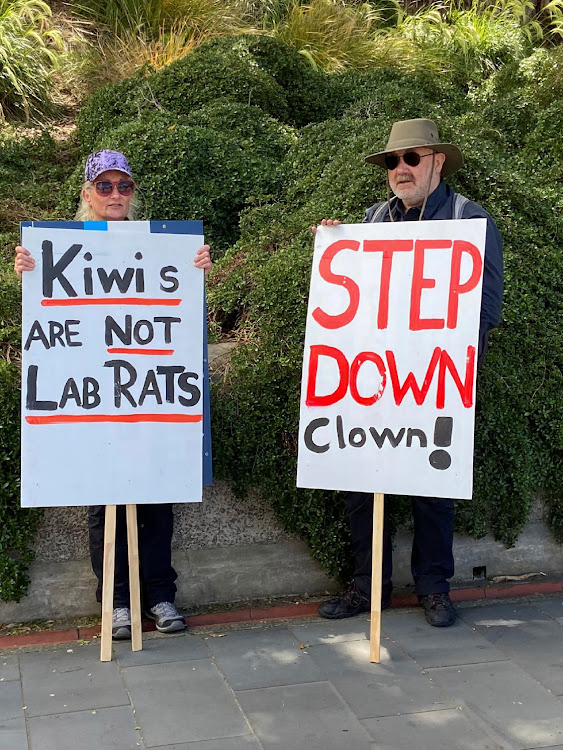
(107, 584)
(376, 565)
(134, 583)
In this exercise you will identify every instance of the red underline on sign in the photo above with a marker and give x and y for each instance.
(71, 301)
(72, 418)
(125, 350)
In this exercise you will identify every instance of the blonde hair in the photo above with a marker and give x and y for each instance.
(85, 213)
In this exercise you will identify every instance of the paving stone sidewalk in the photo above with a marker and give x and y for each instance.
(492, 681)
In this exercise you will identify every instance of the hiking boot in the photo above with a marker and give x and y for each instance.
(349, 604)
(439, 610)
(121, 624)
(166, 617)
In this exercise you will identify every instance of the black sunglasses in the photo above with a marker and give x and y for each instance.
(411, 158)
(105, 187)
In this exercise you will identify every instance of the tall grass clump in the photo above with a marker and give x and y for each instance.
(29, 48)
(335, 35)
(267, 14)
(476, 40)
(111, 58)
(464, 42)
(132, 34)
(151, 17)
(467, 41)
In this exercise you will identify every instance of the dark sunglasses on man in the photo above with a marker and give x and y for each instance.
(105, 187)
(411, 159)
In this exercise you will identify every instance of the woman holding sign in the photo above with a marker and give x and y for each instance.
(109, 193)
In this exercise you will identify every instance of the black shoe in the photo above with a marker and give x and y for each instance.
(439, 610)
(351, 603)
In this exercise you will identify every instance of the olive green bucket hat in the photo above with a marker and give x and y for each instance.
(419, 133)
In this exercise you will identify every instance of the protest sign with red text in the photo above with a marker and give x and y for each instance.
(389, 371)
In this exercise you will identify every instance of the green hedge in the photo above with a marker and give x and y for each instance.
(259, 176)
(252, 69)
(205, 165)
(263, 283)
(32, 170)
(249, 69)
(16, 526)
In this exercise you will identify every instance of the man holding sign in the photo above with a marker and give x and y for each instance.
(455, 269)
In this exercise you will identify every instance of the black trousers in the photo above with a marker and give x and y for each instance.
(432, 561)
(155, 524)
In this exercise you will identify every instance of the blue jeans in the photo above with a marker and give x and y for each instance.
(155, 524)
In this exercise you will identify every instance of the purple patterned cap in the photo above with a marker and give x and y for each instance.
(102, 161)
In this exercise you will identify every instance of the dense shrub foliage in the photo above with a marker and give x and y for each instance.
(205, 164)
(30, 171)
(262, 285)
(253, 70)
(245, 136)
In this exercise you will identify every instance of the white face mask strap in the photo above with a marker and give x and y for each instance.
(428, 186)
(389, 199)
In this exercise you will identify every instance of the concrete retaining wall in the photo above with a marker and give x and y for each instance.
(224, 550)
(228, 550)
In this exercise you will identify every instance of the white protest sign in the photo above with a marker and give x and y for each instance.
(112, 384)
(389, 371)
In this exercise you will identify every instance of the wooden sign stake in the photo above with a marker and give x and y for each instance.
(376, 565)
(134, 583)
(108, 580)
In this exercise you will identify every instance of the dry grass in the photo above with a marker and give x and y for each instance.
(110, 59)
(95, 58)
(332, 35)
(113, 39)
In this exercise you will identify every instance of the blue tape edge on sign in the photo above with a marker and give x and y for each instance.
(177, 227)
(96, 226)
(56, 224)
(156, 227)
(207, 453)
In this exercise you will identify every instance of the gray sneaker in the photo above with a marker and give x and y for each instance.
(121, 624)
(166, 617)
